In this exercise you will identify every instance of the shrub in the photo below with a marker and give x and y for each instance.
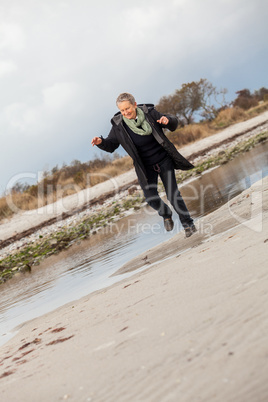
(227, 117)
(245, 100)
(190, 133)
(262, 107)
(246, 103)
(5, 212)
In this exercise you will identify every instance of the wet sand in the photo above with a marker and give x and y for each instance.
(191, 328)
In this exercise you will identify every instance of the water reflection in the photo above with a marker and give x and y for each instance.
(87, 267)
(215, 188)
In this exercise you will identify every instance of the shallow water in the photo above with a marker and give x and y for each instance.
(87, 267)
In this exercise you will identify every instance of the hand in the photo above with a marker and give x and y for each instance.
(96, 141)
(163, 120)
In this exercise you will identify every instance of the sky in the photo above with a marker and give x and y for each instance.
(64, 62)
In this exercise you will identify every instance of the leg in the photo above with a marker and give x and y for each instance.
(152, 197)
(168, 178)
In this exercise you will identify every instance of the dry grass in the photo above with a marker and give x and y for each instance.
(16, 202)
(254, 111)
(124, 164)
(190, 133)
(227, 117)
(62, 186)
(115, 168)
(5, 211)
(234, 115)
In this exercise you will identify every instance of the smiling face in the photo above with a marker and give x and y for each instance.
(128, 110)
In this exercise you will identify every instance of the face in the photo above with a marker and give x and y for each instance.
(128, 110)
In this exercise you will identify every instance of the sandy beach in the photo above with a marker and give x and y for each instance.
(190, 325)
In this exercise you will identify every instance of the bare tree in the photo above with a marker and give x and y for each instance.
(195, 97)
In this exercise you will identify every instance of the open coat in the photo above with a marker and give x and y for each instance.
(119, 136)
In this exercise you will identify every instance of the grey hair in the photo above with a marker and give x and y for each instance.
(125, 97)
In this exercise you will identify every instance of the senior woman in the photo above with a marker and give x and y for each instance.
(139, 129)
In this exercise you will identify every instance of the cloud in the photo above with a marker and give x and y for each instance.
(57, 101)
(11, 37)
(7, 67)
(59, 95)
(16, 116)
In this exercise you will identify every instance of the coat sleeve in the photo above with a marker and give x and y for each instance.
(109, 144)
(173, 121)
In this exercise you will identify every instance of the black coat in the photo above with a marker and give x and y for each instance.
(119, 136)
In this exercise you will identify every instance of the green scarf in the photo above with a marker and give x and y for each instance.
(141, 126)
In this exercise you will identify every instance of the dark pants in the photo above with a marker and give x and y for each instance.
(165, 169)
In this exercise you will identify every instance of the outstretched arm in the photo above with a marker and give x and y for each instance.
(109, 144)
(163, 120)
(96, 141)
(166, 121)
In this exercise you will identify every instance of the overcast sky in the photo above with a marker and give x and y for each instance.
(63, 63)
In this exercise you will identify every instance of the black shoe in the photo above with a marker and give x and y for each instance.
(190, 230)
(169, 224)
(193, 228)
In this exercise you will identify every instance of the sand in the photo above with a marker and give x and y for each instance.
(192, 327)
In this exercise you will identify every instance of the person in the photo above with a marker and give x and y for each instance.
(139, 130)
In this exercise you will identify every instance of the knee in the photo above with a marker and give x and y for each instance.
(150, 194)
(174, 198)
(152, 198)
